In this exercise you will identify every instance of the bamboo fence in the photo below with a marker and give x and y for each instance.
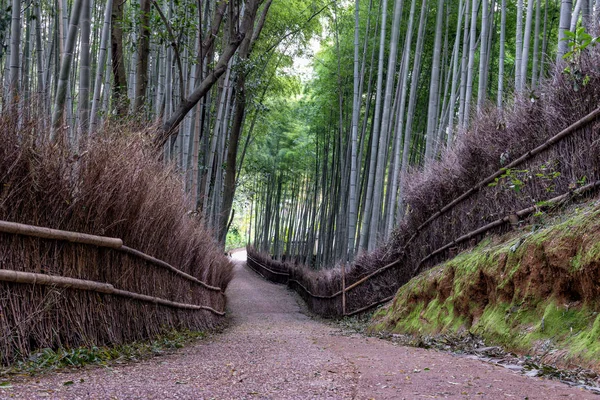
(128, 297)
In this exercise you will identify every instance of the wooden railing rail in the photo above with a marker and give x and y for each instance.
(92, 286)
(100, 241)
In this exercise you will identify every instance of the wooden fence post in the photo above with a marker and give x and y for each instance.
(344, 289)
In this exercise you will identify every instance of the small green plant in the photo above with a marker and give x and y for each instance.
(578, 42)
(515, 179)
(49, 359)
(234, 239)
(548, 174)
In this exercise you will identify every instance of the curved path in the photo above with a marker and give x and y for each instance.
(273, 351)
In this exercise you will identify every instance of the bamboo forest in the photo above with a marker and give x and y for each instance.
(289, 158)
(408, 162)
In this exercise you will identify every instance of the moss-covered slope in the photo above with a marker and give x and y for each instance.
(530, 292)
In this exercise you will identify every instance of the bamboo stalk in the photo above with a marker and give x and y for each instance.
(91, 286)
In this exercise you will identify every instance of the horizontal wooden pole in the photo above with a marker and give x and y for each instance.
(521, 214)
(55, 234)
(168, 266)
(268, 269)
(100, 241)
(553, 140)
(316, 296)
(365, 308)
(80, 284)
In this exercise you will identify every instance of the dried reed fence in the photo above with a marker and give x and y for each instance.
(100, 287)
(439, 223)
(59, 288)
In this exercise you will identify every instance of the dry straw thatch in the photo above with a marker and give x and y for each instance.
(114, 186)
(495, 139)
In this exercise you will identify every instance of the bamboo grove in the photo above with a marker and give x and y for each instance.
(195, 71)
(314, 163)
(393, 85)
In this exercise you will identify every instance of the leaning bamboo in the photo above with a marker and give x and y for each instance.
(91, 286)
(47, 233)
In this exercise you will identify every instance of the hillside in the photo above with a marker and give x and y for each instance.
(534, 291)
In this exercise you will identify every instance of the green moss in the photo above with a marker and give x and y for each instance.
(590, 256)
(528, 317)
(587, 344)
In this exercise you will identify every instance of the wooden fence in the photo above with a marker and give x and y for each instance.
(68, 289)
(100, 287)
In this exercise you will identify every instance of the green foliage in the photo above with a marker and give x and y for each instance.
(48, 359)
(514, 179)
(578, 41)
(234, 239)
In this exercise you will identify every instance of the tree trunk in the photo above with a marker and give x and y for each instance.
(526, 42)
(483, 54)
(143, 52)
(566, 7)
(353, 205)
(432, 110)
(84, 69)
(15, 49)
(501, 57)
(455, 74)
(536, 45)
(414, 87)
(519, 47)
(101, 66)
(472, 49)
(65, 70)
(252, 34)
(393, 209)
(119, 87)
(366, 224)
(385, 122)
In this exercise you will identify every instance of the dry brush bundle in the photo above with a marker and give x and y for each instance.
(116, 186)
(494, 140)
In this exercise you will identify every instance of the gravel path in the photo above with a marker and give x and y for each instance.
(273, 351)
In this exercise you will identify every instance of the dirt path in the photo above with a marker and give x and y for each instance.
(273, 351)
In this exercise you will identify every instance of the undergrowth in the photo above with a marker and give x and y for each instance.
(46, 360)
(534, 291)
